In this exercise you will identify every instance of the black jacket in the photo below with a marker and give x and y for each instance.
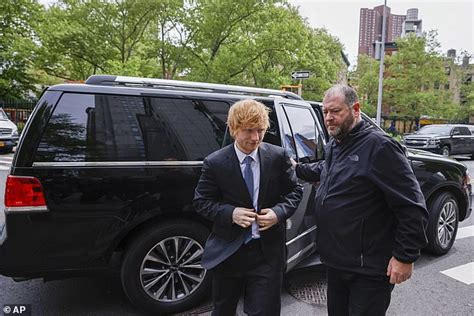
(221, 188)
(369, 205)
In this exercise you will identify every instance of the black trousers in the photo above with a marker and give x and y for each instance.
(247, 272)
(357, 294)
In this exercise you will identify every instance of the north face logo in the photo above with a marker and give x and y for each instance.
(354, 158)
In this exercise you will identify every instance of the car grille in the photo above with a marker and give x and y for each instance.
(5, 131)
(418, 142)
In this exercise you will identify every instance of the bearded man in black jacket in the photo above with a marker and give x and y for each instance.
(370, 211)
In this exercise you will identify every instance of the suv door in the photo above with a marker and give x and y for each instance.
(466, 140)
(458, 142)
(301, 135)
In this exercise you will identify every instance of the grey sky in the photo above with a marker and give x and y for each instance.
(452, 18)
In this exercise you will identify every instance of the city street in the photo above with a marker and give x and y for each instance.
(431, 291)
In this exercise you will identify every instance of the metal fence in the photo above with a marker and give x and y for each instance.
(404, 125)
(18, 110)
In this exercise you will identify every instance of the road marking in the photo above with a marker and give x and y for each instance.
(4, 168)
(464, 273)
(463, 232)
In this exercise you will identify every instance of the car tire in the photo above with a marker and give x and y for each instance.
(445, 151)
(161, 270)
(443, 223)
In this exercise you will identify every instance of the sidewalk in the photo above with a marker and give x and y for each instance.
(5, 162)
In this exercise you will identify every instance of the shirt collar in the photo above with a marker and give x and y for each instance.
(241, 155)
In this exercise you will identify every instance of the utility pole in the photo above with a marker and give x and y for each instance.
(382, 54)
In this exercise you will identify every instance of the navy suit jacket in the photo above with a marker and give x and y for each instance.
(221, 188)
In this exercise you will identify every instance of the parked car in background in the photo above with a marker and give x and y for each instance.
(444, 139)
(8, 133)
(104, 176)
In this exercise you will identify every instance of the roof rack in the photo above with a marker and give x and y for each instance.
(110, 80)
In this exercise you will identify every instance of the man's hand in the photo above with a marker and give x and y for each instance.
(266, 219)
(398, 271)
(293, 162)
(243, 216)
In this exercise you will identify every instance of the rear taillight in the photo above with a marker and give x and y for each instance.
(24, 192)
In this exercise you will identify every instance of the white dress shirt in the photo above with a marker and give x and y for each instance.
(256, 180)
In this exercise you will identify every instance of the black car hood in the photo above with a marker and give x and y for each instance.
(416, 154)
(424, 136)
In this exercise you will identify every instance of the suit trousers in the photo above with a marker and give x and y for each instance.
(356, 294)
(246, 272)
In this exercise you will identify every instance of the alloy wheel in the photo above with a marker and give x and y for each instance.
(446, 151)
(172, 269)
(447, 223)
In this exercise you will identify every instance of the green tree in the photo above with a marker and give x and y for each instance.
(415, 77)
(320, 53)
(18, 20)
(248, 42)
(259, 43)
(84, 37)
(365, 79)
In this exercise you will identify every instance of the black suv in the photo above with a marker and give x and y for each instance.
(445, 139)
(104, 176)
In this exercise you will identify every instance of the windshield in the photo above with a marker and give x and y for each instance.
(434, 129)
(3, 115)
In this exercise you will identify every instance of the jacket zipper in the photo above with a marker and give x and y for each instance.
(326, 185)
(362, 243)
(328, 178)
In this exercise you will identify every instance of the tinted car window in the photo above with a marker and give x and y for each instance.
(435, 129)
(87, 127)
(185, 129)
(464, 131)
(304, 131)
(289, 142)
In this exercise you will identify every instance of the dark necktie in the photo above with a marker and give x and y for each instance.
(248, 177)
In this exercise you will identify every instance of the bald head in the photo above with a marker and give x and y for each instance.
(348, 94)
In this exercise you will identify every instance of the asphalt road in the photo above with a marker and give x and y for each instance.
(428, 292)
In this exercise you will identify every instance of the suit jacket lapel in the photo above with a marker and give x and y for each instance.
(265, 162)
